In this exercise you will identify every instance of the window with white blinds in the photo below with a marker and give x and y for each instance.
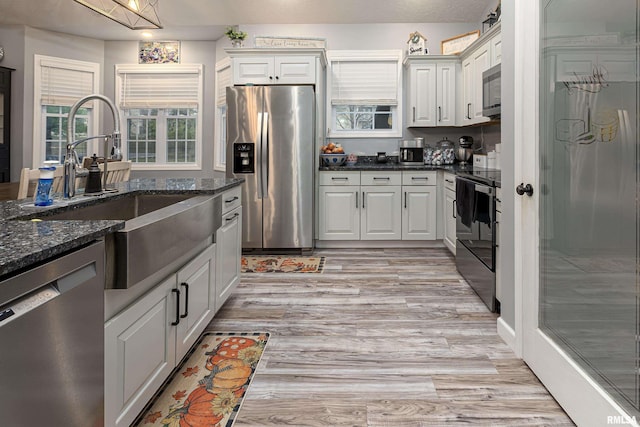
(58, 84)
(161, 109)
(365, 93)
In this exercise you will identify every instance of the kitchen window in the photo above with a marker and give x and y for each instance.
(58, 84)
(161, 109)
(365, 92)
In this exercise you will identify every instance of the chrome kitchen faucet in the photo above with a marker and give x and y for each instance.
(71, 160)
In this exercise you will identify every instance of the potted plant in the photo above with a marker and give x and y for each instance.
(236, 36)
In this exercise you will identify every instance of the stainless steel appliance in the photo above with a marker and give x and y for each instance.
(411, 152)
(270, 140)
(52, 334)
(491, 81)
(476, 233)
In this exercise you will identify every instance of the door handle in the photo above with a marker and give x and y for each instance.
(414, 114)
(469, 111)
(453, 204)
(405, 200)
(232, 217)
(439, 114)
(363, 200)
(186, 300)
(524, 189)
(177, 291)
(357, 193)
(231, 200)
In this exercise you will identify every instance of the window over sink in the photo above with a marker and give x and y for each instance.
(365, 94)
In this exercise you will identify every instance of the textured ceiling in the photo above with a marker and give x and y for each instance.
(207, 19)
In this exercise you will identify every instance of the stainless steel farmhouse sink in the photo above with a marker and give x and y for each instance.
(159, 228)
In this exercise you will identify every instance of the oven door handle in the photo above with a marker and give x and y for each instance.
(484, 189)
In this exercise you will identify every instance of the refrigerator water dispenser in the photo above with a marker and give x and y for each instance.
(244, 157)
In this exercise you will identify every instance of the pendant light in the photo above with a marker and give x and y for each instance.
(133, 14)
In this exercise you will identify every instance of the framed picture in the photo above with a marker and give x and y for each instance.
(457, 44)
(159, 52)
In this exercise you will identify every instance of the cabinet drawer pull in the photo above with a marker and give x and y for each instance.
(232, 217)
(416, 178)
(231, 200)
(186, 300)
(385, 178)
(449, 181)
(339, 178)
(177, 292)
(498, 200)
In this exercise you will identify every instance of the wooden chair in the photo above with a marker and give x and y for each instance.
(117, 171)
(29, 180)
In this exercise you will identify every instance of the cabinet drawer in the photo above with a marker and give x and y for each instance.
(340, 178)
(449, 181)
(381, 178)
(418, 178)
(231, 199)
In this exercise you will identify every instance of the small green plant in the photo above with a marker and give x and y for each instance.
(234, 34)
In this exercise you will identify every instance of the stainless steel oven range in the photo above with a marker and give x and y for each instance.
(476, 232)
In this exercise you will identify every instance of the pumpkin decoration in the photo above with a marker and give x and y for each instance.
(229, 374)
(228, 349)
(196, 411)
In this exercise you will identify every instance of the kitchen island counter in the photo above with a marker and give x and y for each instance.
(24, 242)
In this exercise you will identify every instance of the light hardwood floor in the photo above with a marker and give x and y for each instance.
(387, 337)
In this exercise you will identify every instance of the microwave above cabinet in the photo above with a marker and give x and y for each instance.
(491, 92)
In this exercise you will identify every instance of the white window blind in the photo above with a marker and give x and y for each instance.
(224, 77)
(364, 81)
(64, 82)
(163, 87)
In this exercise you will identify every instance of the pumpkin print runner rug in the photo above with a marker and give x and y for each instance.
(281, 264)
(209, 387)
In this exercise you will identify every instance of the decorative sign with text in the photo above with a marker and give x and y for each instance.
(289, 42)
(417, 44)
(457, 44)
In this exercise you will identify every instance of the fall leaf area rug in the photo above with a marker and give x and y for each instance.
(281, 264)
(208, 388)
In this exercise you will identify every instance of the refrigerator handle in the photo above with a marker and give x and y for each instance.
(264, 148)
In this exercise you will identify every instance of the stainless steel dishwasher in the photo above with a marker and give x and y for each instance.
(52, 342)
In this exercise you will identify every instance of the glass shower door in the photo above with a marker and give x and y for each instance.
(588, 197)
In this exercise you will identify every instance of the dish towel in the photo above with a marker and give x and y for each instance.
(465, 201)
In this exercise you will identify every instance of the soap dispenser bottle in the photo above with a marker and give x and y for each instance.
(94, 184)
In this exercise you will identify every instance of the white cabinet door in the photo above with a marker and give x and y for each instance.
(449, 219)
(253, 70)
(496, 49)
(140, 345)
(228, 255)
(481, 63)
(295, 70)
(267, 69)
(446, 94)
(468, 87)
(381, 213)
(419, 213)
(422, 96)
(196, 283)
(339, 216)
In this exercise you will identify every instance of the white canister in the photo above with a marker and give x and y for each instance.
(480, 161)
(491, 160)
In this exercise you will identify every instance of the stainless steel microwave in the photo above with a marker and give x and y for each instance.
(491, 92)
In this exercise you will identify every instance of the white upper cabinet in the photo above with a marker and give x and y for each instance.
(268, 69)
(431, 92)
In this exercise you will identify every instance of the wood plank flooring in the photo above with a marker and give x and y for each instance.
(385, 337)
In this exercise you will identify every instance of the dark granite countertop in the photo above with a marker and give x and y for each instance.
(24, 242)
(491, 176)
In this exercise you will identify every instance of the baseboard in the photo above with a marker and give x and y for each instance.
(347, 244)
(507, 334)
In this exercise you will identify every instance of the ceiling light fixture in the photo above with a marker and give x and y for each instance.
(133, 14)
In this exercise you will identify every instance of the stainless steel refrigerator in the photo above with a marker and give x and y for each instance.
(270, 140)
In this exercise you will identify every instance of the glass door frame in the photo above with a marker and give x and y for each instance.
(583, 399)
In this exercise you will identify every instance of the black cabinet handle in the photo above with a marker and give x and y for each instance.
(177, 291)
(439, 114)
(385, 178)
(232, 217)
(363, 200)
(469, 111)
(277, 77)
(454, 208)
(233, 199)
(339, 178)
(405, 200)
(186, 300)
(416, 178)
(270, 77)
(449, 181)
(414, 114)
(357, 194)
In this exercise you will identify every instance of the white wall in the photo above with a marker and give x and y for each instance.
(191, 52)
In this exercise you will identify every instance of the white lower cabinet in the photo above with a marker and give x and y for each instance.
(229, 255)
(419, 205)
(339, 216)
(144, 342)
(449, 212)
(380, 215)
